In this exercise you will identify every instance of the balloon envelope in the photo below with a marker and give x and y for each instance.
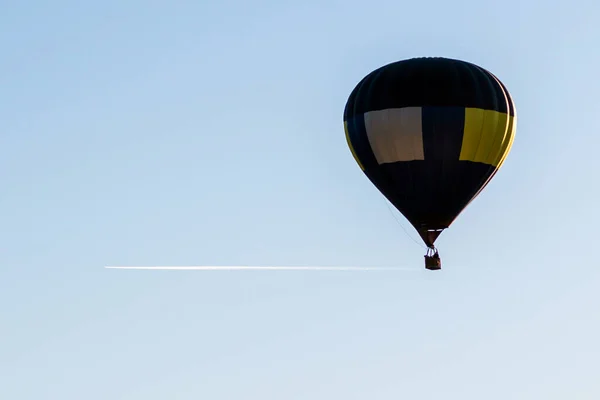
(430, 133)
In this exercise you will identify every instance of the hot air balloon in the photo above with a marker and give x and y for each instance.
(430, 133)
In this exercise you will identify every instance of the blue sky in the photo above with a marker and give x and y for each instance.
(191, 133)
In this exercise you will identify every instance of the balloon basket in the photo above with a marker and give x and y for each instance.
(433, 262)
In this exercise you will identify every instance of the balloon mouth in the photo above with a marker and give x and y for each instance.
(429, 236)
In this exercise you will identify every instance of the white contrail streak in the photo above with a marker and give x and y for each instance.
(263, 268)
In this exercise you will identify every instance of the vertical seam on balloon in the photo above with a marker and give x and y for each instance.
(510, 122)
(444, 138)
(411, 163)
(481, 129)
(503, 135)
(363, 85)
(495, 93)
(512, 129)
(498, 120)
(456, 175)
(458, 71)
(474, 157)
(498, 154)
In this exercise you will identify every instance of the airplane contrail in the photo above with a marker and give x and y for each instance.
(255, 268)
